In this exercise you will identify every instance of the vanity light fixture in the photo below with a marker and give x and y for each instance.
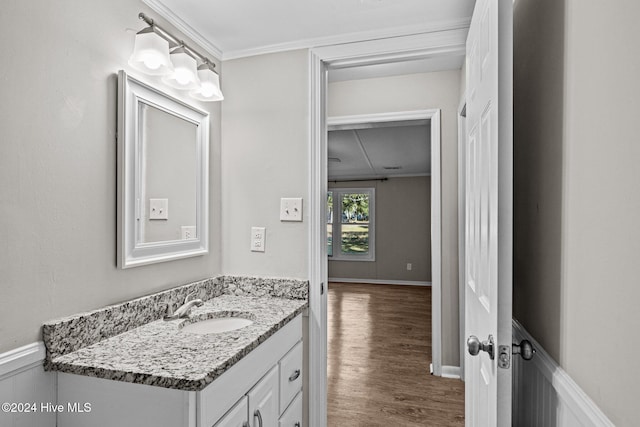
(185, 72)
(151, 53)
(209, 89)
(179, 69)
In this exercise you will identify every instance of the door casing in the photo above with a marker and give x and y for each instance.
(422, 46)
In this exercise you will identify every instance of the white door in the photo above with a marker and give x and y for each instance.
(263, 401)
(489, 212)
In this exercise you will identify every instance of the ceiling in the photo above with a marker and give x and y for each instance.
(236, 28)
(368, 151)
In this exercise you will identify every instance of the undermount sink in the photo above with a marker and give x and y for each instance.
(217, 325)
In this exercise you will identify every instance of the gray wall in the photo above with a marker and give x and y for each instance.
(577, 191)
(416, 92)
(265, 157)
(402, 229)
(58, 87)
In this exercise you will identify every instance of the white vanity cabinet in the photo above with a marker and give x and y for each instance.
(266, 385)
(275, 401)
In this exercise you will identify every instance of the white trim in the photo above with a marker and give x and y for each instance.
(365, 36)
(19, 359)
(451, 372)
(420, 46)
(379, 281)
(461, 229)
(183, 27)
(396, 116)
(569, 393)
(436, 246)
(317, 242)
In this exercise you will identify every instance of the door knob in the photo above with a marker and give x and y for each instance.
(474, 345)
(524, 349)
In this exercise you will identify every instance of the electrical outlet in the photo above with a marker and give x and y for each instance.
(409, 266)
(188, 232)
(258, 235)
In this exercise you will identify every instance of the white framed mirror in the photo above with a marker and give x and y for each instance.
(163, 176)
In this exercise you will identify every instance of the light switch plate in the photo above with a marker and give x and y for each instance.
(158, 208)
(258, 235)
(291, 209)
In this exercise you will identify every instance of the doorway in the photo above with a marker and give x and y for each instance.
(433, 45)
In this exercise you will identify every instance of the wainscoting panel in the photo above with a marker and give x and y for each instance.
(23, 381)
(545, 395)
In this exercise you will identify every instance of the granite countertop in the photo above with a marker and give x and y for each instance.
(159, 353)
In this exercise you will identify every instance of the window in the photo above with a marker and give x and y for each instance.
(350, 224)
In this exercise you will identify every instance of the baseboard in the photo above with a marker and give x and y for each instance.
(543, 391)
(380, 281)
(451, 372)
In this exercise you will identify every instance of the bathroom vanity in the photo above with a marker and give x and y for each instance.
(176, 373)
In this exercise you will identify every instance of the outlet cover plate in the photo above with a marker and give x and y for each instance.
(258, 235)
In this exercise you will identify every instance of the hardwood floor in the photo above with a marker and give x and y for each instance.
(379, 351)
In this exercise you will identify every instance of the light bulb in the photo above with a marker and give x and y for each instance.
(182, 76)
(152, 62)
(209, 89)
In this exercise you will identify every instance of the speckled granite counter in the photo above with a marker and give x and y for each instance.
(116, 343)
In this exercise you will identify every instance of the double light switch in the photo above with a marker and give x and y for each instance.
(291, 209)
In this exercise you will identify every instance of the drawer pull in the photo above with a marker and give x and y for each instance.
(259, 415)
(297, 424)
(295, 375)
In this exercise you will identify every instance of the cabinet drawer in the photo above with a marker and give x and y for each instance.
(293, 415)
(290, 375)
(237, 416)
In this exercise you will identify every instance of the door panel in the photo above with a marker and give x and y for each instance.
(489, 207)
(264, 402)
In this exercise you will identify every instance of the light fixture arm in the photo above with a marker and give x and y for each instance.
(173, 41)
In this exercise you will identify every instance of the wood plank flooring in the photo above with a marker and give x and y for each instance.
(379, 351)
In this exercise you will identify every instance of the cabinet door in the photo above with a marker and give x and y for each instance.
(264, 402)
(237, 416)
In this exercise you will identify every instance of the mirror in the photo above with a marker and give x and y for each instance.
(163, 153)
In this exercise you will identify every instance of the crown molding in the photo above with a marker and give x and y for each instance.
(162, 10)
(411, 30)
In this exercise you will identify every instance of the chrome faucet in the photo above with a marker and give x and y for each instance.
(185, 309)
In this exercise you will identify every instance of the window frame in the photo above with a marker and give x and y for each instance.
(338, 255)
